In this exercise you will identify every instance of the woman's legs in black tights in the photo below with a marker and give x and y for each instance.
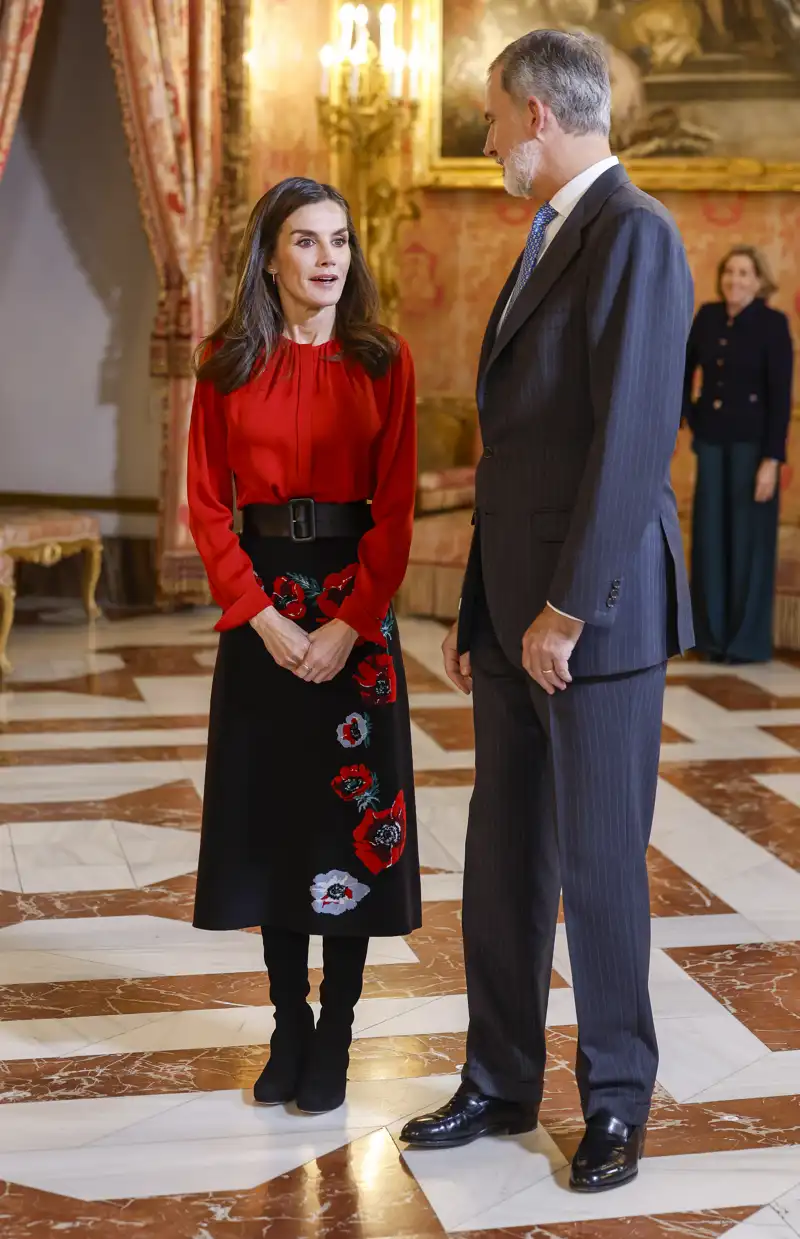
(286, 957)
(324, 1080)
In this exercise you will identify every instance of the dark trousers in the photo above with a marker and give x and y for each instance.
(734, 545)
(564, 796)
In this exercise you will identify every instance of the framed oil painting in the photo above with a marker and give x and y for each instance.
(706, 93)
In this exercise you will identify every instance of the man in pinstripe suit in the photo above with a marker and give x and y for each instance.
(574, 598)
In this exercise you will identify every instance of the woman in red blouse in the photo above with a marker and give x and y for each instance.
(305, 411)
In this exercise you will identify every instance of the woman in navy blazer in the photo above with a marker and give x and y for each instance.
(742, 351)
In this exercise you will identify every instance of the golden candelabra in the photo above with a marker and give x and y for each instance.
(367, 109)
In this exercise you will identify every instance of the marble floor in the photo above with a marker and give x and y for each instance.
(129, 1040)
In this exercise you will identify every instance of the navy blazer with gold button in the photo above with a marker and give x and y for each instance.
(746, 369)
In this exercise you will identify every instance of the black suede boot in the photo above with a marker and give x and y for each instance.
(324, 1080)
(286, 957)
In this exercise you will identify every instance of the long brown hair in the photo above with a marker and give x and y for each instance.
(760, 266)
(252, 328)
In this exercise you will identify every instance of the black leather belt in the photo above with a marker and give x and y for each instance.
(304, 520)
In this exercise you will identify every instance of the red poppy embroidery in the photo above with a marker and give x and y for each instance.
(380, 840)
(335, 588)
(377, 680)
(289, 597)
(356, 783)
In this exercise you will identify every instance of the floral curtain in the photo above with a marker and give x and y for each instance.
(167, 61)
(19, 24)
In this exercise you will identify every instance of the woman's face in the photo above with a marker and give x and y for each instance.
(312, 257)
(740, 281)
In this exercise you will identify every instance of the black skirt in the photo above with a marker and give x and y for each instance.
(309, 821)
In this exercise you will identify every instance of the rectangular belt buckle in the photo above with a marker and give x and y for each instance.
(302, 512)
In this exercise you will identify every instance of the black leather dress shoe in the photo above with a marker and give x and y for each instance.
(466, 1117)
(608, 1155)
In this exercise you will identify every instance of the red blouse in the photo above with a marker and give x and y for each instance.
(309, 427)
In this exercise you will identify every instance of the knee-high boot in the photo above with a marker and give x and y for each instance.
(324, 1081)
(286, 957)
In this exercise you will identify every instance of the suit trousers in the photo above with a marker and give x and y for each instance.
(564, 797)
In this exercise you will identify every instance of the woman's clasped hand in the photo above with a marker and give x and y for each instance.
(317, 657)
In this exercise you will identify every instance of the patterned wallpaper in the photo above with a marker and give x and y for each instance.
(455, 258)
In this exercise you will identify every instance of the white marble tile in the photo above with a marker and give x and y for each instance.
(775, 1074)
(423, 639)
(741, 744)
(766, 1224)
(22, 707)
(460, 1184)
(198, 1142)
(443, 812)
(788, 1209)
(97, 947)
(665, 1185)
(428, 755)
(444, 886)
(9, 874)
(754, 884)
(701, 1053)
(785, 785)
(49, 670)
(38, 742)
(207, 659)
(176, 694)
(724, 929)
(432, 855)
(157, 853)
(776, 677)
(53, 784)
(179, 1168)
(449, 698)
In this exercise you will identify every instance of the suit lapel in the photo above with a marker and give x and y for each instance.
(490, 334)
(547, 271)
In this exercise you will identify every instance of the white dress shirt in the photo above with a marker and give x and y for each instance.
(565, 202)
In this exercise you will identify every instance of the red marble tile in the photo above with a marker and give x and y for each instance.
(210, 1070)
(155, 660)
(171, 804)
(712, 1224)
(729, 790)
(94, 756)
(444, 778)
(758, 983)
(732, 693)
(420, 679)
(669, 735)
(361, 1191)
(117, 684)
(35, 726)
(674, 893)
(452, 729)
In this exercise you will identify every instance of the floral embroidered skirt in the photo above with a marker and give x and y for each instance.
(309, 820)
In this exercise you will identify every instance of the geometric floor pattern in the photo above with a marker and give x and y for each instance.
(129, 1040)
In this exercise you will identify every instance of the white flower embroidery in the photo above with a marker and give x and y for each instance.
(354, 731)
(336, 892)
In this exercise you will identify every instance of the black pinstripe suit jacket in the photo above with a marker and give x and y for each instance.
(580, 400)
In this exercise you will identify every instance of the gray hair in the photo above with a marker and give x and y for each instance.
(568, 72)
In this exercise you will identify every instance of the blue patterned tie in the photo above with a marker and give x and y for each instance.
(544, 216)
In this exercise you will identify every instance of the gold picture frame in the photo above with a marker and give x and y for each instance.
(435, 170)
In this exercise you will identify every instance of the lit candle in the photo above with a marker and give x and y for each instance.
(327, 57)
(388, 17)
(362, 33)
(357, 61)
(398, 67)
(347, 17)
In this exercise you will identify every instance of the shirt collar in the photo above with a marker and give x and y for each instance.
(570, 194)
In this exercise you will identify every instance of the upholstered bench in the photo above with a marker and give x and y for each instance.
(44, 536)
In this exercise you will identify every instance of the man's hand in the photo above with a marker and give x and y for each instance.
(328, 651)
(458, 667)
(547, 647)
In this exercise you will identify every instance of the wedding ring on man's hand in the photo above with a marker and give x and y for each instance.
(551, 671)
